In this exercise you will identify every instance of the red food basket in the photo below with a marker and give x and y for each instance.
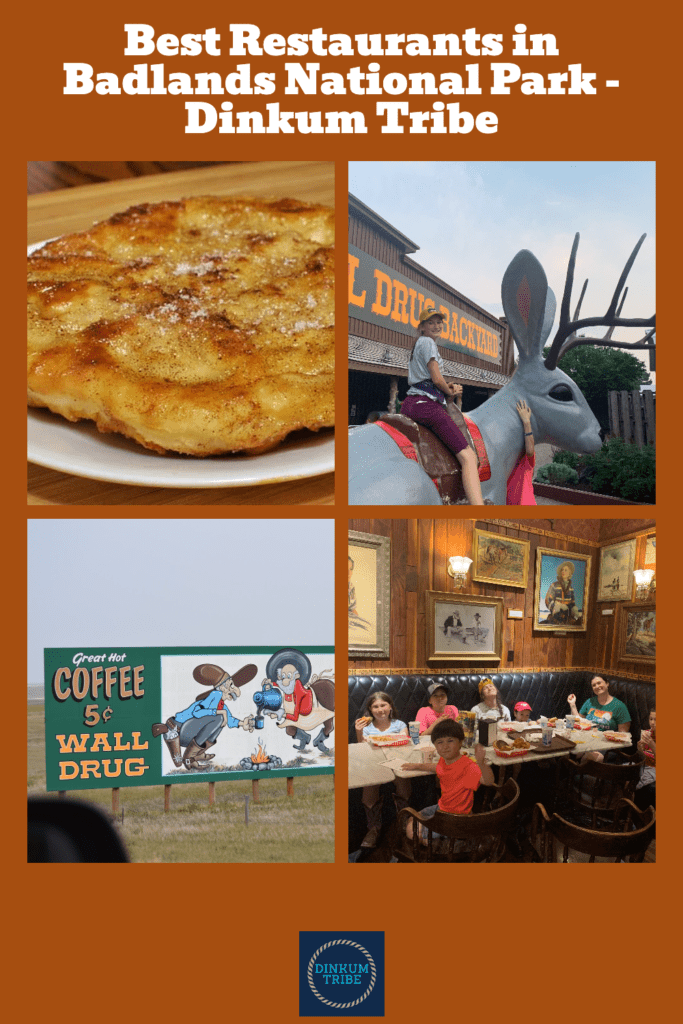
(400, 741)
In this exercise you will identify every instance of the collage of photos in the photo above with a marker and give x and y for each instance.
(184, 349)
(383, 323)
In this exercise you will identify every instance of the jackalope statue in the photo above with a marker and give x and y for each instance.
(379, 474)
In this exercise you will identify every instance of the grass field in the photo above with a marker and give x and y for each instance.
(281, 829)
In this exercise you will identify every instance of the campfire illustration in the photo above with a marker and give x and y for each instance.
(260, 754)
(260, 760)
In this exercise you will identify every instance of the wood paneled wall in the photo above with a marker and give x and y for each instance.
(604, 630)
(420, 549)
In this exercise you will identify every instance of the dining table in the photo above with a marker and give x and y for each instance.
(71, 463)
(371, 765)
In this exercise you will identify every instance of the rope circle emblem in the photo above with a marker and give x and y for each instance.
(372, 979)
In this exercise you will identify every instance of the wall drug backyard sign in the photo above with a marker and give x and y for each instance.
(146, 716)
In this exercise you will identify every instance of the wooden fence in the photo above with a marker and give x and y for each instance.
(632, 416)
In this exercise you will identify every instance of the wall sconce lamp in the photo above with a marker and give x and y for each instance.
(644, 582)
(458, 567)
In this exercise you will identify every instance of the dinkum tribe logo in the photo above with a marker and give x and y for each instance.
(341, 974)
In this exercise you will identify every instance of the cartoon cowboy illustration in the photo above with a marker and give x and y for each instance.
(560, 599)
(305, 703)
(198, 726)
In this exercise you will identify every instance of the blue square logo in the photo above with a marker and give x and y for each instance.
(341, 974)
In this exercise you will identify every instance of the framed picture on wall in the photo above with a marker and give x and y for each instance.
(615, 579)
(463, 628)
(369, 595)
(650, 560)
(499, 559)
(561, 591)
(638, 632)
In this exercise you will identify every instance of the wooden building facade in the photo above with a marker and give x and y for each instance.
(387, 291)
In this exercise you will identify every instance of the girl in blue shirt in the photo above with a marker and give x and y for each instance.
(379, 718)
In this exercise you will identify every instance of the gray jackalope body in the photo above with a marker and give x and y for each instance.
(560, 415)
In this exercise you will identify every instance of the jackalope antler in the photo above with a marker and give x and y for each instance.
(565, 338)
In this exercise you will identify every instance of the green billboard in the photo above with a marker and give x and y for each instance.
(149, 715)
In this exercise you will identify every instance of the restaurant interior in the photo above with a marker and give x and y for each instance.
(536, 636)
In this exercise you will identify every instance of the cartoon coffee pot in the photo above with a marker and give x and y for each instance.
(198, 726)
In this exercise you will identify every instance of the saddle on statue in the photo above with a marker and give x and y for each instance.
(434, 457)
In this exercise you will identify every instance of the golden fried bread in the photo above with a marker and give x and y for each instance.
(202, 326)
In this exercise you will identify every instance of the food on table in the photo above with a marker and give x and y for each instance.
(520, 744)
(515, 749)
(617, 737)
(392, 739)
(517, 744)
(202, 326)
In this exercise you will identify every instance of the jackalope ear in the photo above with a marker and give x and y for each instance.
(549, 317)
(527, 303)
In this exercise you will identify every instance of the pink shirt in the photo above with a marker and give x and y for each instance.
(520, 482)
(427, 716)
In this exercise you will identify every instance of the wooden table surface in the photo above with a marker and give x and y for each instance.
(66, 197)
(368, 764)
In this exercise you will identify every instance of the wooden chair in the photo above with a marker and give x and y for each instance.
(466, 837)
(594, 788)
(633, 831)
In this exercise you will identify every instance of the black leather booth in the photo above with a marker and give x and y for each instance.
(546, 691)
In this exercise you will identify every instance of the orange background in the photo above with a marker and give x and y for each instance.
(108, 942)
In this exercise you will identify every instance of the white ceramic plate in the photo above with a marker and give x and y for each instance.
(80, 449)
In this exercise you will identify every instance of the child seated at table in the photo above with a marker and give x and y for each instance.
(490, 708)
(522, 711)
(645, 790)
(379, 717)
(438, 709)
(458, 775)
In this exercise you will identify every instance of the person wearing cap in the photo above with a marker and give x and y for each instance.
(437, 709)
(198, 726)
(560, 599)
(522, 711)
(426, 400)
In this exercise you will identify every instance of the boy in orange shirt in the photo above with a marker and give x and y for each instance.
(458, 775)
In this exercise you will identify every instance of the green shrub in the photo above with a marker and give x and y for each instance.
(566, 459)
(557, 473)
(622, 471)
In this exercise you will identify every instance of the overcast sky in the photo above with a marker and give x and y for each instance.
(469, 220)
(165, 583)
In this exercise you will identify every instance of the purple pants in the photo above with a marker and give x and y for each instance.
(433, 415)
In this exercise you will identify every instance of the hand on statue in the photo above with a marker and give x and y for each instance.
(524, 412)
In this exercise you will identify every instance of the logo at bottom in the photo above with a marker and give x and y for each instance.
(341, 974)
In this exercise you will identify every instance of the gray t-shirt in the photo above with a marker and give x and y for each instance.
(425, 349)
